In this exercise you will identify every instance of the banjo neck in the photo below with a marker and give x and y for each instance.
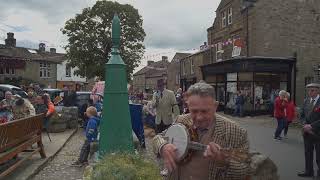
(197, 146)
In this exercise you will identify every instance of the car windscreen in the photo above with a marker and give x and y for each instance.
(20, 92)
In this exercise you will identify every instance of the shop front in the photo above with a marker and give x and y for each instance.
(259, 79)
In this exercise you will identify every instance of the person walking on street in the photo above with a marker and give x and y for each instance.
(290, 114)
(179, 99)
(165, 103)
(239, 104)
(280, 105)
(310, 116)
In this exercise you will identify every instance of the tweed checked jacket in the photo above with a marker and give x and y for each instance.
(228, 135)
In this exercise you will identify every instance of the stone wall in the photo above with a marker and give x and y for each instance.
(282, 28)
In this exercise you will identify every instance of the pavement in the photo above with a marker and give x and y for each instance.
(32, 166)
(287, 154)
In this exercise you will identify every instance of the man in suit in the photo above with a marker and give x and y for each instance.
(166, 106)
(212, 130)
(311, 129)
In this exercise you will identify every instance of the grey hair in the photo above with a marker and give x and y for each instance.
(201, 89)
(282, 93)
(288, 94)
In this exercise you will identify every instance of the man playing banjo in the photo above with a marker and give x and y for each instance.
(211, 130)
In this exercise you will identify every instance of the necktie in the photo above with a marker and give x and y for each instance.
(312, 102)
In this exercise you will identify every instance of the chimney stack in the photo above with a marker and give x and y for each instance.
(42, 47)
(53, 50)
(10, 41)
(149, 63)
(164, 58)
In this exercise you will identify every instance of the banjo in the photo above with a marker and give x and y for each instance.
(181, 137)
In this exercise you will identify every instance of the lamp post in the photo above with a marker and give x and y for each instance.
(115, 128)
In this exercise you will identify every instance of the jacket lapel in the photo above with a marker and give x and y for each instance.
(317, 104)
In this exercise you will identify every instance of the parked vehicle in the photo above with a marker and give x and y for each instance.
(13, 89)
(53, 92)
(84, 96)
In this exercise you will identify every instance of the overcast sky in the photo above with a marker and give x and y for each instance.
(170, 25)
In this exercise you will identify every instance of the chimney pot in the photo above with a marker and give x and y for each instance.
(10, 41)
(53, 50)
(42, 47)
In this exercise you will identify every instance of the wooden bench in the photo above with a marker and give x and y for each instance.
(18, 136)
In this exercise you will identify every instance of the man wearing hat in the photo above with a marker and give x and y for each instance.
(165, 103)
(310, 115)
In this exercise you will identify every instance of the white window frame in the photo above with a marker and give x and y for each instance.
(68, 71)
(44, 70)
(230, 16)
(183, 68)
(177, 78)
(191, 66)
(224, 19)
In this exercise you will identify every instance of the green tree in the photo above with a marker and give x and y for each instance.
(89, 36)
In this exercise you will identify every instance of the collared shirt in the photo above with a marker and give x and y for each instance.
(315, 99)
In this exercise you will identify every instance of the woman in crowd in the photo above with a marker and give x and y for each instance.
(290, 114)
(23, 108)
(50, 107)
(280, 105)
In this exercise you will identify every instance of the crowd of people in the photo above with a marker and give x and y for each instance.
(14, 107)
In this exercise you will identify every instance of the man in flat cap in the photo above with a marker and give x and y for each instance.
(310, 115)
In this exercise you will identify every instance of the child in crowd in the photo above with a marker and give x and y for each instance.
(91, 136)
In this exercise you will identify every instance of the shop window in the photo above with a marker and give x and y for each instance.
(221, 93)
(283, 77)
(231, 94)
(246, 91)
(232, 77)
(262, 96)
(262, 76)
(1, 71)
(220, 78)
(245, 76)
(211, 79)
(7, 70)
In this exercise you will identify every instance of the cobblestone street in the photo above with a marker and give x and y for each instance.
(59, 168)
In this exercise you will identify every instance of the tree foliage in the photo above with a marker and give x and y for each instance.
(89, 36)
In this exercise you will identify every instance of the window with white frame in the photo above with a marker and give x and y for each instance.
(224, 19)
(177, 78)
(230, 16)
(7, 71)
(45, 70)
(183, 68)
(68, 71)
(191, 66)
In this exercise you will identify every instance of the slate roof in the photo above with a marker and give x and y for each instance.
(24, 54)
(178, 56)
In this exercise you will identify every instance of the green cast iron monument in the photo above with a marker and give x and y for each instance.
(115, 128)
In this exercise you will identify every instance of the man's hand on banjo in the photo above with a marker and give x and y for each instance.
(214, 152)
(168, 153)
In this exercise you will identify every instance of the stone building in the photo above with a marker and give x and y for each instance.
(20, 65)
(173, 82)
(280, 37)
(190, 68)
(145, 80)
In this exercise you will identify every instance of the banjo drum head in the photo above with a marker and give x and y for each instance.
(178, 135)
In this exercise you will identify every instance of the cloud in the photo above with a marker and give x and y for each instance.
(169, 24)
